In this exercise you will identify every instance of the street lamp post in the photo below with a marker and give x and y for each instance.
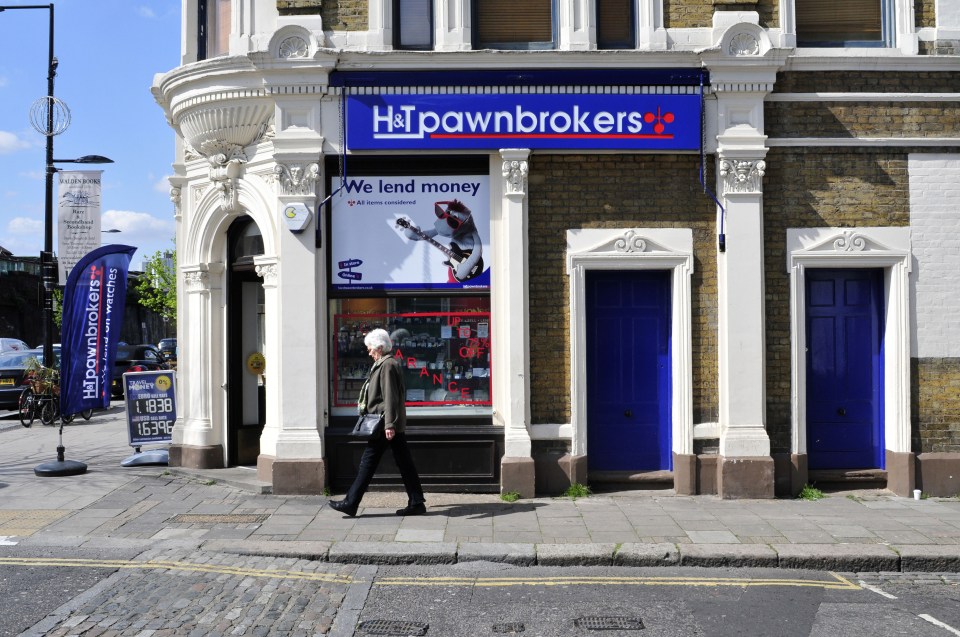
(51, 117)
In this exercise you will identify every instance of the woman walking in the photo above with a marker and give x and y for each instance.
(383, 393)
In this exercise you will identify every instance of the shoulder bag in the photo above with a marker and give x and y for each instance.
(368, 426)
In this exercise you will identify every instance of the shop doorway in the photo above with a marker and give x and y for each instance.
(246, 389)
(628, 318)
(844, 328)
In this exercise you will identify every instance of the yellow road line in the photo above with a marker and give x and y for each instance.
(837, 583)
(176, 566)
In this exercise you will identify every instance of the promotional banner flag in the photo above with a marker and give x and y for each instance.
(93, 302)
(78, 205)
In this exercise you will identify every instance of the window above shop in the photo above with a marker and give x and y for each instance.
(508, 24)
(851, 23)
(213, 28)
(615, 20)
(413, 24)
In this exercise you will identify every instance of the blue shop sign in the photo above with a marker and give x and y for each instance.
(550, 121)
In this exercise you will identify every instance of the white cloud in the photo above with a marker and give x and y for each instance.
(137, 223)
(3, 81)
(10, 143)
(148, 233)
(25, 226)
(146, 12)
(163, 184)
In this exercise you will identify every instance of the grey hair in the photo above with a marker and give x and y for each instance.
(378, 339)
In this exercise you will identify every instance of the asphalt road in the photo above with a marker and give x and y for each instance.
(67, 592)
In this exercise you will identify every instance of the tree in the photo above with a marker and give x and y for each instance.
(157, 287)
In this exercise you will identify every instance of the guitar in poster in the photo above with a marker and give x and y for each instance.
(411, 232)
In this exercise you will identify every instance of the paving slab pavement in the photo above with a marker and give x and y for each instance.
(228, 511)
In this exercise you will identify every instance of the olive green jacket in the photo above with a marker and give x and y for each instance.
(386, 394)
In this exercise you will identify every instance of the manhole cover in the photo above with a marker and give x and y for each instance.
(508, 628)
(391, 627)
(224, 518)
(609, 623)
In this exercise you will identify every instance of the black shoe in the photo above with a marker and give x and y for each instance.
(413, 509)
(343, 507)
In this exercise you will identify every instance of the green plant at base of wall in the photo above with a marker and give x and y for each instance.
(510, 496)
(577, 490)
(810, 493)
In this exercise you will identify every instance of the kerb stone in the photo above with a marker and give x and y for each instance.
(838, 557)
(393, 553)
(575, 554)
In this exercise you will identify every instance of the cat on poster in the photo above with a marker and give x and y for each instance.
(422, 232)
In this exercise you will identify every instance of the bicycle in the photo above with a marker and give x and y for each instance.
(42, 395)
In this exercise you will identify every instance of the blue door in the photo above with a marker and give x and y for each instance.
(628, 370)
(844, 369)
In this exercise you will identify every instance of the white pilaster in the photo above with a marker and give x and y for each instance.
(201, 350)
(291, 317)
(743, 68)
(509, 300)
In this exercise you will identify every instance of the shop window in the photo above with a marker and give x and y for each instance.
(508, 24)
(213, 28)
(851, 23)
(443, 344)
(615, 19)
(413, 24)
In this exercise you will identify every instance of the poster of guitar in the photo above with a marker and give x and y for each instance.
(411, 232)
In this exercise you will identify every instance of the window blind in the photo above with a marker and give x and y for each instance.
(838, 20)
(514, 21)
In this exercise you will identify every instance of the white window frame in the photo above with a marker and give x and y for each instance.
(901, 25)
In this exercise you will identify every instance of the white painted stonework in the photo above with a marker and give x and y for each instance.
(935, 226)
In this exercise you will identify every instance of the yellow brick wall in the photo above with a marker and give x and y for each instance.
(690, 14)
(925, 13)
(815, 188)
(850, 119)
(345, 15)
(935, 404)
(613, 191)
(867, 82)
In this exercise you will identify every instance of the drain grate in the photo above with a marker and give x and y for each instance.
(392, 627)
(609, 623)
(222, 518)
(508, 627)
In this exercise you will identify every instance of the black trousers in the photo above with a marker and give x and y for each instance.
(368, 466)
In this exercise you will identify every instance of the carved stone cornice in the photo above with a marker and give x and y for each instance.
(298, 179)
(515, 176)
(742, 175)
(268, 272)
(225, 176)
(196, 280)
(225, 128)
(175, 199)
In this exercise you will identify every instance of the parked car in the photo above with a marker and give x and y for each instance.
(168, 347)
(13, 369)
(134, 358)
(12, 345)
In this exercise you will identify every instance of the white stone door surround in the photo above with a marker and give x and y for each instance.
(878, 247)
(634, 249)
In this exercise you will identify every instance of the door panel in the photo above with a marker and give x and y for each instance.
(844, 369)
(628, 370)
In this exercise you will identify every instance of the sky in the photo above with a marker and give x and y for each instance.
(108, 53)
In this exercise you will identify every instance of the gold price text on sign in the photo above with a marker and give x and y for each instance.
(255, 363)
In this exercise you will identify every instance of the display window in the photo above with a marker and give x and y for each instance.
(443, 344)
